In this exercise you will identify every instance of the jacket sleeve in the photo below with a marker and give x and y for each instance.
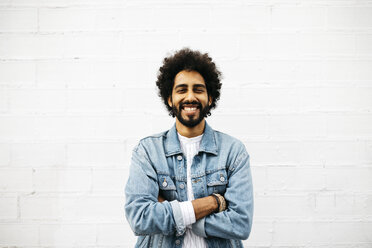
(147, 216)
(236, 221)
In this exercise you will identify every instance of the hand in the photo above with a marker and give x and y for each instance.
(161, 198)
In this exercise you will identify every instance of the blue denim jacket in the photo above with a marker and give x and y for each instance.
(158, 165)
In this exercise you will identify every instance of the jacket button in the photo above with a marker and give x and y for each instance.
(182, 186)
(178, 242)
(165, 184)
(222, 179)
(179, 157)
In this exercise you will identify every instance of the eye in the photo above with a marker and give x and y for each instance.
(181, 90)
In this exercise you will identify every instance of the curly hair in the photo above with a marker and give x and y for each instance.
(189, 60)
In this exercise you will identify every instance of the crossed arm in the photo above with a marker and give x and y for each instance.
(147, 216)
(202, 206)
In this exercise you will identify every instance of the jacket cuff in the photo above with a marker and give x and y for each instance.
(178, 219)
(199, 228)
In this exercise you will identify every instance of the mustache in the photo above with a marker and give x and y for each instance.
(191, 103)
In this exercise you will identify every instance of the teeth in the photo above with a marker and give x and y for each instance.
(190, 109)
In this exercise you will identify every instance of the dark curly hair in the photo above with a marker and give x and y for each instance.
(189, 60)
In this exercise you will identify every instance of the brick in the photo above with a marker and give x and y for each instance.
(337, 70)
(282, 46)
(150, 101)
(31, 46)
(4, 101)
(107, 180)
(268, 99)
(176, 18)
(274, 152)
(94, 100)
(161, 122)
(67, 234)
(366, 153)
(128, 18)
(40, 208)
(363, 17)
(9, 73)
(151, 45)
(97, 155)
(62, 180)
(340, 17)
(348, 179)
(319, 44)
(364, 45)
(38, 154)
(9, 208)
(286, 206)
(349, 125)
(344, 153)
(308, 72)
(284, 71)
(5, 154)
(246, 17)
(298, 17)
(261, 233)
(341, 205)
(350, 231)
(345, 98)
(46, 46)
(90, 74)
(73, 127)
(308, 125)
(37, 100)
(259, 177)
(312, 153)
(254, 71)
(225, 48)
(297, 233)
(15, 180)
(97, 209)
(255, 125)
(90, 45)
(362, 71)
(115, 234)
(19, 234)
(66, 19)
(292, 178)
(253, 46)
(18, 20)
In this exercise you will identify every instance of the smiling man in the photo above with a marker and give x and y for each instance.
(190, 186)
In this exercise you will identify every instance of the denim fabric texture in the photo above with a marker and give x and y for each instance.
(158, 166)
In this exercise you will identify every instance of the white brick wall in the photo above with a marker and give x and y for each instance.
(77, 91)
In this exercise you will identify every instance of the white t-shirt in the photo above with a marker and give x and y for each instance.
(190, 147)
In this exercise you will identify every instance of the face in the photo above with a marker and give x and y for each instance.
(189, 100)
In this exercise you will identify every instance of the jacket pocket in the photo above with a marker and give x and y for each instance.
(167, 187)
(217, 182)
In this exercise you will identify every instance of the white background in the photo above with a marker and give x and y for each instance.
(77, 92)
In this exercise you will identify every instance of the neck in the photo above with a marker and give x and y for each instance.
(190, 132)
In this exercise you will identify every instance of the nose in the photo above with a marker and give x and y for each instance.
(190, 96)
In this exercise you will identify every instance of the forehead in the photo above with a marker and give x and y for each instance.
(189, 78)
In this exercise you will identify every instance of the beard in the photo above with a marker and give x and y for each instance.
(191, 121)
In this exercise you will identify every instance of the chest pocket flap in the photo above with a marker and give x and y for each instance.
(217, 178)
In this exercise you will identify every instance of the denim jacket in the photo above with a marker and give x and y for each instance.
(158, 166)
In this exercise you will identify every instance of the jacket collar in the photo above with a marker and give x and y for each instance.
(207, 144)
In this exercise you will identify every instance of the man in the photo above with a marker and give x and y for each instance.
(189, 186)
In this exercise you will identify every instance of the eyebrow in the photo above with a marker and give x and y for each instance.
(194, 86)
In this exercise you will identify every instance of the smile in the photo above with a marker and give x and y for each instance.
(190, 108)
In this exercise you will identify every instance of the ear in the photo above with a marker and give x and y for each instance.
(210, 101)
(170, 101)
